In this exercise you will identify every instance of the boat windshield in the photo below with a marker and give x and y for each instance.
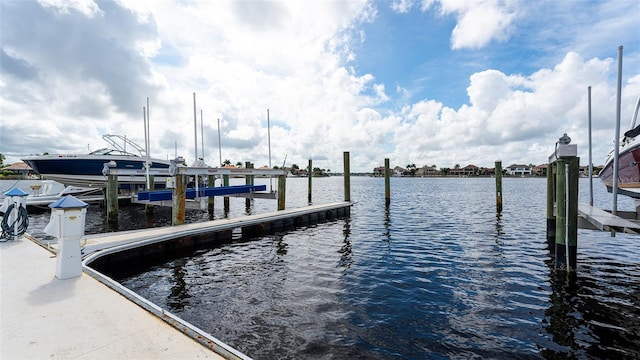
(107, 151)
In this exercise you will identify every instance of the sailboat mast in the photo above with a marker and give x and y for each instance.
(195, 126)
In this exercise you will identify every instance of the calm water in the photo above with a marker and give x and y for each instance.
(436, 275)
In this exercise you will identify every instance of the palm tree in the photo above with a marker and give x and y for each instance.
(226, 162)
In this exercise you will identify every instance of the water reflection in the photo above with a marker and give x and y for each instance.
(499, 229)
(594, 312)
(179, 294)
(346, 258)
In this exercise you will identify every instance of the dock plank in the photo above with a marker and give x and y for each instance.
(80, 318)
(606, 221)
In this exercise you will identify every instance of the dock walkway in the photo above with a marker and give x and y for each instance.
(605, 221)
(44, 317)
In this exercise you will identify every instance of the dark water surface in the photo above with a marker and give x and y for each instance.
(436, 275)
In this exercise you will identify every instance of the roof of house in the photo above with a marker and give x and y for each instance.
(19, 166)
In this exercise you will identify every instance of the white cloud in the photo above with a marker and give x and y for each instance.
(79, 77)
(478, 22)
(86, 7)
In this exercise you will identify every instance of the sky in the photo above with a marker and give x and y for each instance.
(431, 82)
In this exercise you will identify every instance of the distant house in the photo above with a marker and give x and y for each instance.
(469, 170)
(19, 168)
(540, 170)
(379, 171)
(427, 171)
(400, 171)
(518, 170)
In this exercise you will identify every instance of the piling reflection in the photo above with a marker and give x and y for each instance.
(587, 318)
(387, 223)
(499, 229)
(346, 258)
(179, 295)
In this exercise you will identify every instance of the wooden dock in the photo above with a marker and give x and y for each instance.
(43, 316)
(116, 242)
(590, 217)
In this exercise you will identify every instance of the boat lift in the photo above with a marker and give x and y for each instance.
(177, 168)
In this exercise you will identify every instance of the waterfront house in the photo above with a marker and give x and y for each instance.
(19, 168)
(400, 171)
(518, 170)
(427, 171)
(469, 170)
(540, 170)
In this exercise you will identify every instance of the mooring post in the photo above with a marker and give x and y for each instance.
(148, 208)
(112, 198)
(572, 215)
(567, 171)
(347, 176)
(282, 190)
(551, 218)
(498, 173)
(179, 200)
(387, 183)
(225, 182)
(309, 176)
(248, 180)
(211, 182)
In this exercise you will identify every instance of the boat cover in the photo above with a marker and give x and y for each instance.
(633, 132)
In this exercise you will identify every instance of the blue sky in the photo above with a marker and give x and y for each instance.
(426, 82)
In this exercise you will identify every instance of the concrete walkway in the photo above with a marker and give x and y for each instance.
(42, 317)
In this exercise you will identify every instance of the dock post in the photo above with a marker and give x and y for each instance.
(248, 180)
(572, 215)
(387, 183)
(112, 198)
(148, 208)
(498, 173)
(225, 182)
(211, 182)
(309, 176)
(568, 168)
(561, 214)
(551, 219)
(282, 190)
(347, 177)
(179, 200)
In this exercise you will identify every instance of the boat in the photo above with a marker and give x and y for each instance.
(49, 191)
(628, 162)
(86, 170)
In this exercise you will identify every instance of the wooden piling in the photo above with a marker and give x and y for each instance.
(567, 213)
(387, 183)
(282, 190)
(148, 208)
(347, 177)
(225, 182)
(309, 176)
(248, 180)
(551, 218)
(211, 181)
(498, 173)
(178, 200)
(112, 198)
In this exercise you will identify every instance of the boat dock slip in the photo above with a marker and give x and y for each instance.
(603, 220)
(45, 317)
(80, 318)
(113, 242)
